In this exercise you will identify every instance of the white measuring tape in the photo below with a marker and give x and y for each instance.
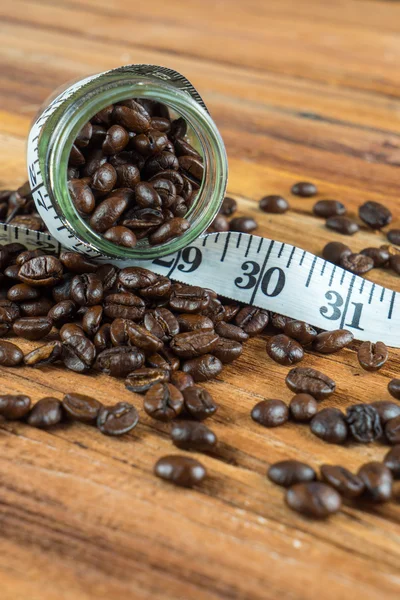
(271, 275)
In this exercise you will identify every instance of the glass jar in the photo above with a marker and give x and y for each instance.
(54, 132)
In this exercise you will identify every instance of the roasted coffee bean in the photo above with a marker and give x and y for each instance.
(289, 472)
(146, 196)
(169, 230)
(11, 272)
(329, 424)
(86, 289)
(181, 380)
(386, 410)
(190, 322)
(346, 483)
(219, 224)
(314, 499)
(357, 263)
(136, 278)
(161, 323)
(364, 423)
(76, 158)
(102, 338)
(36, 308)
(188, 299)
(198, 403)
(10, 354)
(165, 191)
(124, 305)
(378, 482)
(143, 379)
(46, 413)
(104, 115)
(310, 381)
(300, 331)
(62, 291)
(180, 470)
(252, 320)
(394, 236)
(32, 328)
(203, 368)
(160, 290)
(13, 407)
(78, 353)
(270, 413)
(215, 310)
(140, 337)
(228, 206)
(392, 431)
(121, 236)
(371, 356)
(159, 163)
(9, 312)
(70, 329)
(375, 215)
(342, 225)
(33, 222)
(394, 263)
(227, 350)
(127, 176)
(305, 189)
(92, 320)
(273, 204)
(164, 359)
(77, 263)
(116, 139)
(134, 117)
(329, 342)
(27, 255)
(329, 208)
(118, 419)
(84, 136)
(172, 176)
(62, 312)
(119, 362)
(44, 355)
(110, 210)
(303, 407)
(41, 271)
(190, 435)
(79, 407)
(334, 252)
(243, 224)
(380, 256)
(392, 461)
(82, 196)
(21, 292)
(231, 332)
(192, 167)
(284, 350)
(163, 401)
(194, 343)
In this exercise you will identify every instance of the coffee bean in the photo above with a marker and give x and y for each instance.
(230, 312)
(203, 368)
(371, 356)
(82, 196)
(163, 402)
(392, 461)
(78, 353)
(231, 332)
(243, 224)
(22, 292)
(334, 252)
(289, 472)
(394, 263)
(180, 470)
(118, 419)
(141, 380)
(124, 305)
(329, 425)
(357, 263)
(364, 423)
(227, 350)
(9, 312)
(13, 407)
(92, 320)
(303, 407)
(188, 299)
(110, 210)
(80, 407)
(10, 354)
(44, 355)
(119, 362)
(346, 483)
(70, 329)
(46, 413)
(121, 236)
(314, 499)
(194, 343)
(284, 350)
(36, 308)
(392, 431)
(342, 225)
(386, 410)
(310, 381)
(329, 342)
(329, 208)
(228, 206)
(270, 413)
(191, 435)
(62, 312)
(375, 215)
(273, 204)
(305, 189)
(378, 482)
(393, 235)
(219, 224)
(215, 310)
(102, 338)
(84, 136)
(394, 388)
(161, 323)
(300, 331)
(32, 328)
(169, 230)
(380, 256)
(192, 322)
(164, 359)
(27, 255)
(182, 380)
(252, 320)
(41, 271)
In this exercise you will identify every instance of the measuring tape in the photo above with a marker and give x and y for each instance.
(270, 275)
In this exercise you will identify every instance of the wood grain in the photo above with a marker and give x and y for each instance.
(304, 90)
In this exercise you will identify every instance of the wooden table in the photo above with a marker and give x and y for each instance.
(299, 90)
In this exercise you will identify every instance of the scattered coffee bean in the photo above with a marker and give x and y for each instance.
(359, 264)
(300, 331)
(198, 403)
(163, 401)
(118, 419)
(329, 208)
(13, 407)
(342, 225)
(378, 482)
(180, 470)
(305, 189)
(228, 207)
(303, 407)
(386, 410)
(191, 435)
(329, 342)
(334, 252)
(10, 354)
(329, 425)
(270, 413)
(284, 350)
(219, 224)
(310, 381)
(314, 499)
(346, 483)
(394, 388)
(290, 472)
(46, 413)
(371, 356)
(392, 461)
(80, 407)
(243, 224)
(375, 215)
(364, 423)
(273, 204)
(393, 235)
(380, 256)
(392, 431)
